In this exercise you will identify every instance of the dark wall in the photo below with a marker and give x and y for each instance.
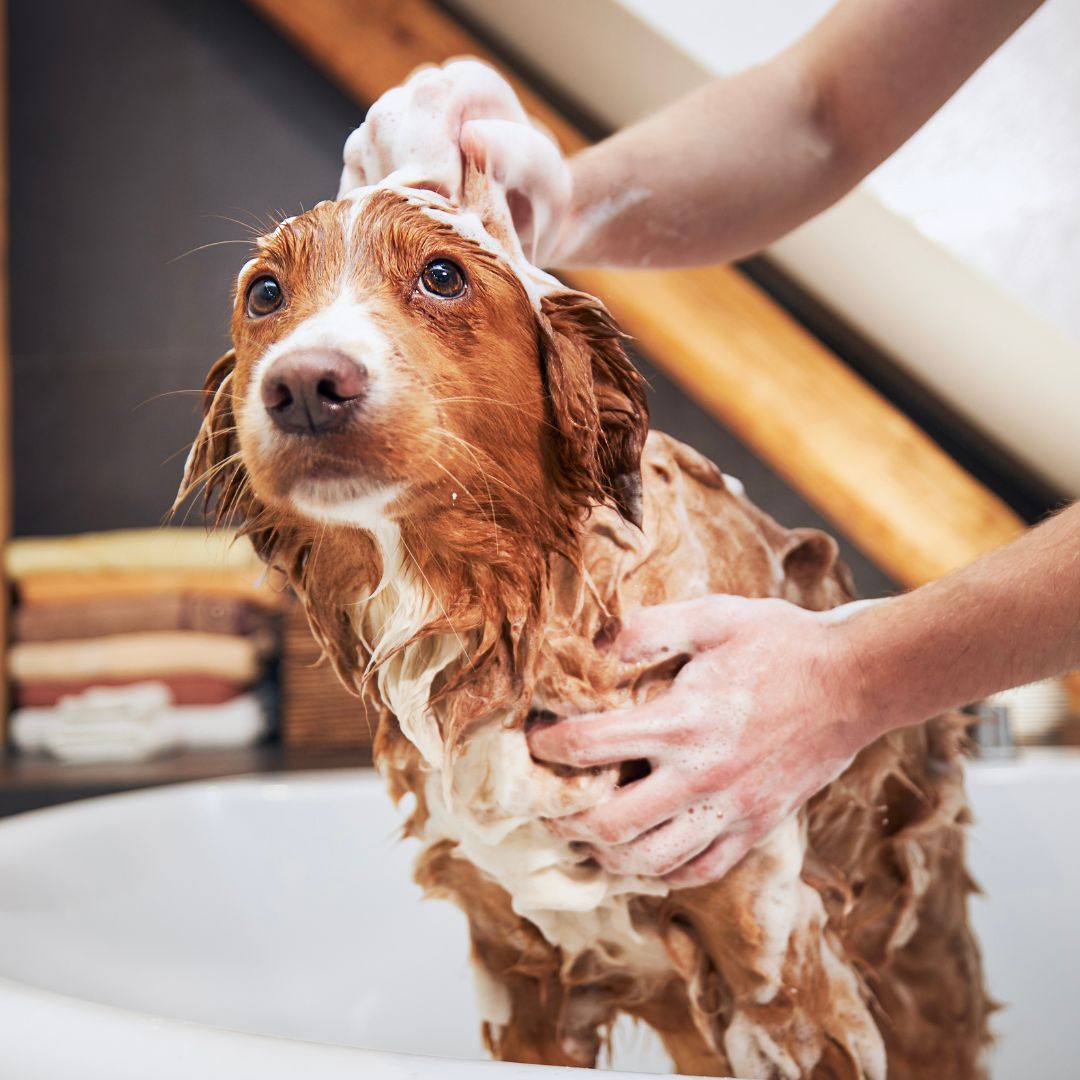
(134, 123)
(136, 126)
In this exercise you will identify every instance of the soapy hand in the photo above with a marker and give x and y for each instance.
(763, 715)
(422, 134)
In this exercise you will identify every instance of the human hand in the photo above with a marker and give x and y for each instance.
(422, 134)
(764, 714)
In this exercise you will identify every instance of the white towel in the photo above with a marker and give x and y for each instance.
(131, 723)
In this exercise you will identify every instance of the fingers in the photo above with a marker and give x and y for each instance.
(626, 813)
(689, 626)
(524, 160)
(714, 862)
(475, 89)
(664, 849)
(412, 133)
(603, 738)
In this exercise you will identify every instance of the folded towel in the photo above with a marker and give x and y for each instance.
(133, 614)
(185, 689)
(133, 549)
(134, 722)
(136, 656)
(67, 586)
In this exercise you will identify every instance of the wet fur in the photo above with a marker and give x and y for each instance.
(534, 562)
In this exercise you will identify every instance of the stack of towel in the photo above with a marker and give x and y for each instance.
(133, 642)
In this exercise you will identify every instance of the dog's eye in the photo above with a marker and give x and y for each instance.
(263, 296)
(443, 278)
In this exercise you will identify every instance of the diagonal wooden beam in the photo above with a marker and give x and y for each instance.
(846, 449)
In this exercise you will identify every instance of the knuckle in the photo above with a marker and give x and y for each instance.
(611, 832)
(671, 862)
(652, 864)
(676, 736)
(705, 781)
(745, 802)
(574, 739)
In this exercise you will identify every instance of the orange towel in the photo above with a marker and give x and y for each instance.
(185, 689)
(66, 586)
(133, 549)
(136, 656)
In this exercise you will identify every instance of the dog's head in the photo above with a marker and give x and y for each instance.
(395, 373)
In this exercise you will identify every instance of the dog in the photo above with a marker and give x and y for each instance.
(447, 454)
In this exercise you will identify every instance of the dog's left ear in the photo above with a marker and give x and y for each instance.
(598, 402)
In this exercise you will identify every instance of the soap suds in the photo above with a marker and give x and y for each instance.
(457, 139)
(734, 484)
(494, 808)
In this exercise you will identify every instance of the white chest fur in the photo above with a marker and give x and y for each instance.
(491, 798)
(493, 803)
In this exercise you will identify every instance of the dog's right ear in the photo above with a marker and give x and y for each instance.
(213, 463)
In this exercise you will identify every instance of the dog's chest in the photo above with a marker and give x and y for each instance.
(491, 799)
(493, 804)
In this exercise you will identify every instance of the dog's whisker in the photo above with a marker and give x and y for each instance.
(484, 475)
(492, 475)
(204, 247)
(480, 400)
(252, 228)
(165, 394)
(457, 480)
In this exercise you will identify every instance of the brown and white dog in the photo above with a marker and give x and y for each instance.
(446, 452)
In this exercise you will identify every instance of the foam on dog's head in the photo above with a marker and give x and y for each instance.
(458, 137)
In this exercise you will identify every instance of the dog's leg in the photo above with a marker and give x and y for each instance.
(794, 1004)
(529, 1015)
(547, 1024)
(892, 833)
(670, 1015)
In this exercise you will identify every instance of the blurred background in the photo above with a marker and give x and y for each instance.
(148, 139)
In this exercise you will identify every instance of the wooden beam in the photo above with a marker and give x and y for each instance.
(860, 461)
(850, 453)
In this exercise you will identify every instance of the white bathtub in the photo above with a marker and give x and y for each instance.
(167, 933)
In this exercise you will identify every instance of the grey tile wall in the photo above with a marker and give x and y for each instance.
(134, 125)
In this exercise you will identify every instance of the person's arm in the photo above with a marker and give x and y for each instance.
(776, 700)
(730, 168)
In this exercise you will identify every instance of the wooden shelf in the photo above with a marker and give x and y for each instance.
(29, 783)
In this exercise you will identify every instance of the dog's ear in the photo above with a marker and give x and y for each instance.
(814, 576)
(597, 400)
(213, 463)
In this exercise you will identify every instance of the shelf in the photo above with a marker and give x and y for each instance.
(29, 783)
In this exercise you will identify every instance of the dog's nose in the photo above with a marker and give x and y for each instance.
(314, 391)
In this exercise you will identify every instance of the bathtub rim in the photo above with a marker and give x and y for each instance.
(123, 1041)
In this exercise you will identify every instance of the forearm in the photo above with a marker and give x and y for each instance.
(1008, 618)
(742, 161)
(716, 175)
